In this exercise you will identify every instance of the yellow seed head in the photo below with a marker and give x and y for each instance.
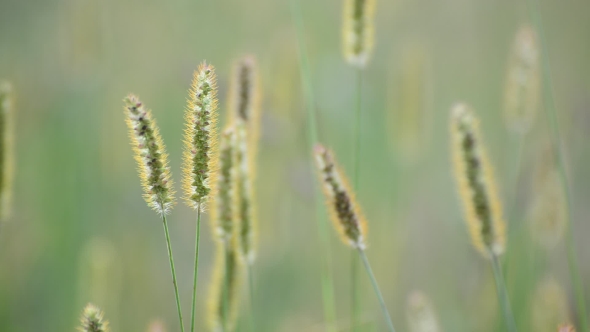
(420, 314)
(6, 149)
(200, 145)
(549, 306)
(222, 211)
(244, 209)
(523, 81)
(225, 289)
(475, 181)
(150, 154)
(345, 212)
(92, 320)
(358, 31)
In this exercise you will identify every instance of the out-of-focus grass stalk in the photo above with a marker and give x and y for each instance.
(196, 273)
(551, 113)
(354, 273)
(327, 278)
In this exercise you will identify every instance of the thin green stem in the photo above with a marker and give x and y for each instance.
(551, 113)
(356, 153)
(327, 278)
(251, 291)
(196, 273)
(377, 291)
(225, 291)
(173, 270)
(503, 295)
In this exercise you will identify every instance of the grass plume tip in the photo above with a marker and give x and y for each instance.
(150, 155)
(476, 184)
(358, 31)
(93, 320)
(344, 211)
(200, 138)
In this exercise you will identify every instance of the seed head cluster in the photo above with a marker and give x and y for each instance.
(358, 31)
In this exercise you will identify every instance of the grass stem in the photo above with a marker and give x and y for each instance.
(251, 294)
(197, 238)
(377, 291)
(551, 113)
(173, 270)
(354, 277)
(503, 295)
(327, 278)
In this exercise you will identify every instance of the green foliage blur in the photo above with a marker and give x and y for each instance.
(80, 231)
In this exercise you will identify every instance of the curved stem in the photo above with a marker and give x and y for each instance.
(551, 113)
(196, 273)
(503, 295)
(326, 274)
(173, 270)
(377, 291)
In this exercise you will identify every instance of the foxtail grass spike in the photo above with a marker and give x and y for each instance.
(222, 214)
(93, 320)
(421, 315)
(200, 138)
(6, 149)
(523, 81)
(477, 188)
(150, 155)
(245, 116)
(224, 291)
(344, 211)
(358, 31)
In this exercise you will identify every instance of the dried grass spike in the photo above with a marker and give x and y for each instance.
(200, 138)
(475, 180)
(523, 81)
(345, 212)
(358, 31)
(420, 313)
(6, 149)
(222, 211)
(93, 320)
(150, 155)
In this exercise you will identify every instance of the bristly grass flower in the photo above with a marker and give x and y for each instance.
(93, 320)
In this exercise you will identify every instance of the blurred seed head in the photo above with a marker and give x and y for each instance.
(200, 137)
(150, 154)
(566, 328)
(345, 212)
(224, 291)
(420, 314)
(224, 197)
(156, 326)
(93, 320)
(475, 180)
(523, 81)
(244, 206)
(549, 306)
(358, 31)
(6, 149)
(547, 213)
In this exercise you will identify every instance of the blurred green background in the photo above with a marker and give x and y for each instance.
(81, 232)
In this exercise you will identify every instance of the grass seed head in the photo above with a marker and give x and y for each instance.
(523, 81)
(93, 320)
(420, 313)
(200, 138)
(358, 31)
(150, 155)
(345, 212)
(476, 184)
(6, 149)
(222, 211)
(225, 289)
